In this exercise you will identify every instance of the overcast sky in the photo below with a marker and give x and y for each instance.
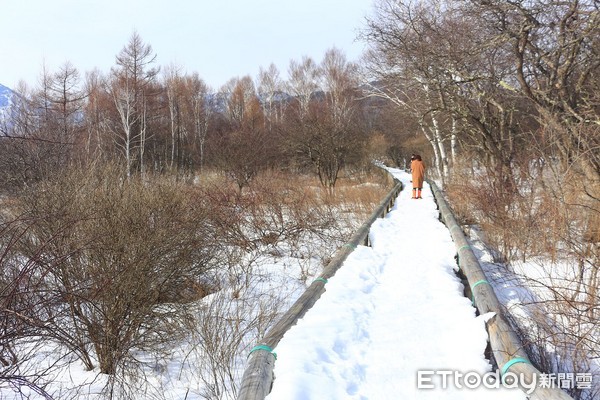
(218, 39)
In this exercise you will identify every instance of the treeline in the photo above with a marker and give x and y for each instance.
(165, 121)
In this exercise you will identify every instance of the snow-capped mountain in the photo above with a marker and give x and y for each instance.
(5, 96)
(6, 101)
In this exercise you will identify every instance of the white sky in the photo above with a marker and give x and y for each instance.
(219, 39)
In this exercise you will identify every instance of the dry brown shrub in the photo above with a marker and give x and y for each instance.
(118, 262)
(279, 206)
(113, 252)
(519, 217)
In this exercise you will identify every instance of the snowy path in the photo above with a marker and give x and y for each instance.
(391, 310)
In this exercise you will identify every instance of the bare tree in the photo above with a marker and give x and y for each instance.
(202, 109)
(43, 127)
(242, 154)
(270, 86)
(130, 86)
(173, 85)
(304, 82)
(340, 83)
(67, 100)
(242, 104)
(97, 114)
(554, 50)
(325, 131)
(416, 61)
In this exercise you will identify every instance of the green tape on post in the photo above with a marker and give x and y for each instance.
(463, 247)
(321, 279)
(479, 283)
(473, 289)
(458, 252)
(511, 363)
(265, 348)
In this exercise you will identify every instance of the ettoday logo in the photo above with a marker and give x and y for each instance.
(443, 379)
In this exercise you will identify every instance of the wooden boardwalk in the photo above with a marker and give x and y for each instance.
(393, 309)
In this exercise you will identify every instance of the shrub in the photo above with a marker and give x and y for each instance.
(113, 258)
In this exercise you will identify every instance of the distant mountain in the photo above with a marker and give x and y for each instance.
(5, 96)
(6, 101)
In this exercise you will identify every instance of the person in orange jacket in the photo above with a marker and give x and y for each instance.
(417, 167)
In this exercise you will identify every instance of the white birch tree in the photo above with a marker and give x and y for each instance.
(270, 85)
(304, 81)
(130, 85)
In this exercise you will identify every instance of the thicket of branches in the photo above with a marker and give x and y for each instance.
(506, 94)
(112, 273)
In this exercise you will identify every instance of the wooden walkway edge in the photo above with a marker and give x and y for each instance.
(258, 376)
(506, 346)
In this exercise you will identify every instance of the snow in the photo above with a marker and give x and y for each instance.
(392, 309)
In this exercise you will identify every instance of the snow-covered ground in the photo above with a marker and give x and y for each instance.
(392, 310)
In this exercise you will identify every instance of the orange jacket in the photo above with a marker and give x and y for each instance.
(418, 173)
